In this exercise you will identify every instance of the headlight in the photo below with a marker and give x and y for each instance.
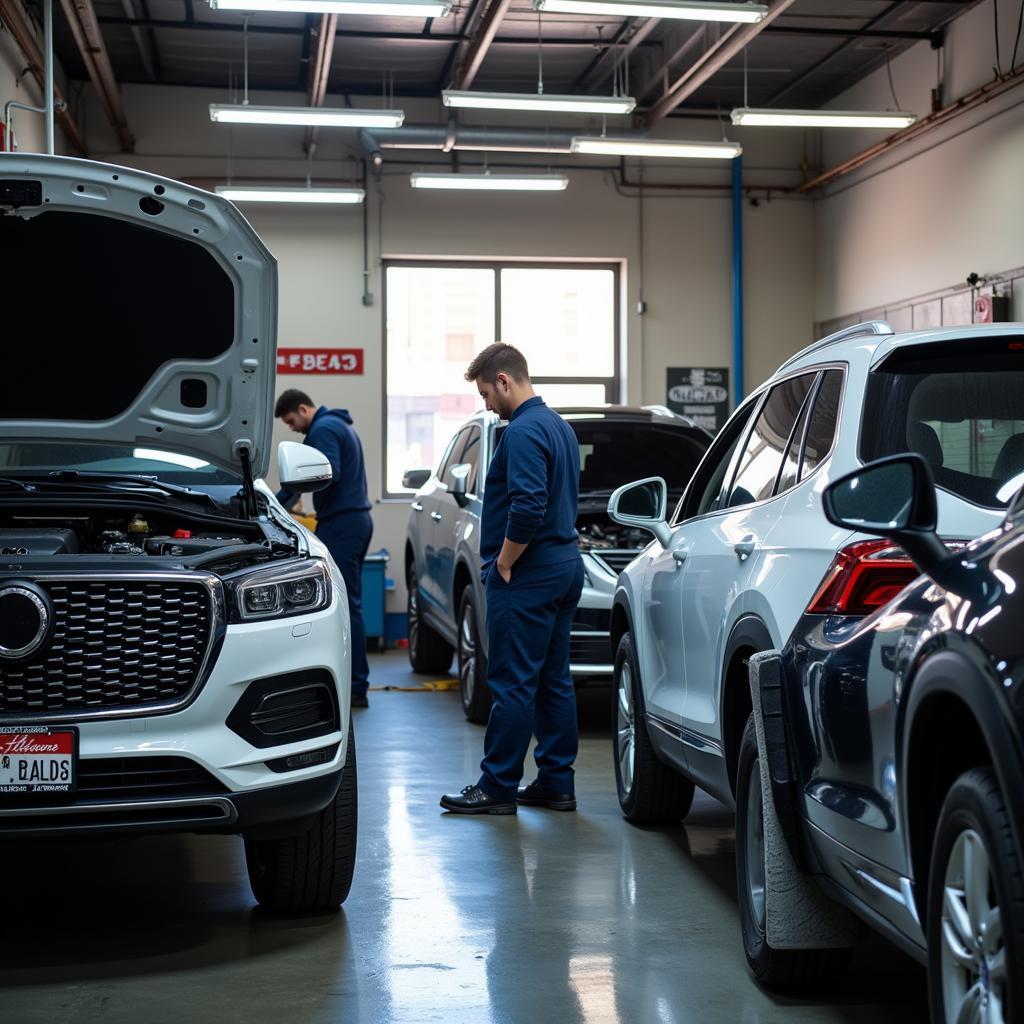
(280, 592)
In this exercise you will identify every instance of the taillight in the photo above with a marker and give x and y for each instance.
(863, 577)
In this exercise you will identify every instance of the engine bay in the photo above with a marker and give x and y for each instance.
(597, 531)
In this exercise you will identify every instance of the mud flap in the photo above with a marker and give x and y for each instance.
(798, 915)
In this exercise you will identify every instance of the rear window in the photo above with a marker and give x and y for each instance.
(959, 406)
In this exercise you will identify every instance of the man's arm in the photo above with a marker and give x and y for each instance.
(528, 496)
(287, 498)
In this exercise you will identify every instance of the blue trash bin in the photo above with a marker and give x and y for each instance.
(374, 572)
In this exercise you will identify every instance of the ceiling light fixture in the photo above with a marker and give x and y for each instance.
(280, 194)
(337, 117)
(492, 182)
(538, 101)
(600, 145)
(769, 118)
(384, 8)
(687, 11)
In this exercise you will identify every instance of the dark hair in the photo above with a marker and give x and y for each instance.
(498, 358)
(290, 401)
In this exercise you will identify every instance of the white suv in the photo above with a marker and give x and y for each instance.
(748, 549)
(174, 648)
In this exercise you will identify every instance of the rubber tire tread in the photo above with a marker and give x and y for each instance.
(432, 654)
(782, 970)
(478, 710)
(313, 869)
(660, 795)
(976, 798)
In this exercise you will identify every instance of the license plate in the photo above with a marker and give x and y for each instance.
(37, 759)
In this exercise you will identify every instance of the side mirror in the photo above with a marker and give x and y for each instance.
(460, 482)
(892, 497)
(300, 467)
(414, 479)
(642, 504)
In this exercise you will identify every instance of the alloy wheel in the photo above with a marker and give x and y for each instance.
(414, 615)
(754, 839)
(467, 653)
(626, 727)
(973, 952)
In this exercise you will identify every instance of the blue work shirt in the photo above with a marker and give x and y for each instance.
(331, 433)
(532, 489)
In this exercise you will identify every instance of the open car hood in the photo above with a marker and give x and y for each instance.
(139, 311)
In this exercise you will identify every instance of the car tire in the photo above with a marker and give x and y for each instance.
(780, 969)
(472, 661)
(975, 919)
(650, 792)
(429, 652)
(311, 870)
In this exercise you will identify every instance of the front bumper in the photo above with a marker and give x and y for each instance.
(590, 652)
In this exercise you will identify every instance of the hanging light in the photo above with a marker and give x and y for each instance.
(771, 118)
(687, 11)
(337, 117)
(281, 194)
(538, 101)
(600, 145)
(492, 182)
(383, 8)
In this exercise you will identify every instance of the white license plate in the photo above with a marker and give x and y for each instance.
(37, 759)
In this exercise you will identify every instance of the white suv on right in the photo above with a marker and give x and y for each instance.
(748, 549)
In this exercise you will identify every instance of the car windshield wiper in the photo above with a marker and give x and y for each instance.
(98, 481)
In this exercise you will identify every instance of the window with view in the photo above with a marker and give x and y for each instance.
(562, 317)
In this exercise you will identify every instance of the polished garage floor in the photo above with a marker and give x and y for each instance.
(543, 918)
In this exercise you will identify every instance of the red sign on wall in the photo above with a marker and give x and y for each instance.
(320, 360)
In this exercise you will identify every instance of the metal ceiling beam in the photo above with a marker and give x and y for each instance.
(143, 43)
(694, 39)
(85, 28)
(605, 49)
(468, 28)
(480, 43)
(849, 33)
(730, 44)
(14, 17)
(320, 70)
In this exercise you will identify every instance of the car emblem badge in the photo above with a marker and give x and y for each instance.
(25, 619)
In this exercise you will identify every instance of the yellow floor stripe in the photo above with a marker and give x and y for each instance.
(438, 686)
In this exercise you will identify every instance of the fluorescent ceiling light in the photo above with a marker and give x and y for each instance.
(385, 8)
(602, 146)
(272, 194)
(338, 117)
(687, 11)
(769, 118)
(539, 101)
(492, 182)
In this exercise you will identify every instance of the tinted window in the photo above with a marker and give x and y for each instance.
(791, 461)
(450, 458)
(763, 452)
(471, 454)
(821, 430)
(959, 406)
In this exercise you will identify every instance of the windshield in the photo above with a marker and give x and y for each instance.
(961, 407)
(34, 459)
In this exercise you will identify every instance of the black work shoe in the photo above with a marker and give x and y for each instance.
(473, 800)
(534, 795)
(360, 701)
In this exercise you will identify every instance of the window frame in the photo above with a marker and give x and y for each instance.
(612, 385)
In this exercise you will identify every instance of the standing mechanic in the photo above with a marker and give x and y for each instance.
(343, 520)
(533, 574)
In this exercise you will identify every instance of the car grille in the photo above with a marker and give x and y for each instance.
(106, 779)
(612, 560)
(117, 645)
(590, 650)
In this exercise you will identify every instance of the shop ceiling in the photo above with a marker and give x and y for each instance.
(806, 56)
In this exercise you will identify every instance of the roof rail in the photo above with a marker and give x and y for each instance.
(877, 328)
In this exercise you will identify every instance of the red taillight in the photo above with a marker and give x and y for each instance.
(863, 577)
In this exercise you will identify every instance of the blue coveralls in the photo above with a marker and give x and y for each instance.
(343, 520)
(531, 497)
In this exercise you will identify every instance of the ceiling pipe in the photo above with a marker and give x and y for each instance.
(14, 18)
(730, 45)
(320, 71)
(85, 28)
(480, 44)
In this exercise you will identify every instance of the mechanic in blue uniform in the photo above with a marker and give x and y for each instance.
(533, 575)
(343, 520)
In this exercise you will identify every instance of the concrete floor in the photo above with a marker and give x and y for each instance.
(539, 918)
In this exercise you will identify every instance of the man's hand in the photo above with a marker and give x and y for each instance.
(507, 557)
(505, 572)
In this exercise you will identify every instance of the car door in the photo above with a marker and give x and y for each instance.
(661, 652)
(722, 551)
(427, 508)
(453, 518)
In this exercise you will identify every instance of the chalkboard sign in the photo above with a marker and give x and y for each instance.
(700, 393)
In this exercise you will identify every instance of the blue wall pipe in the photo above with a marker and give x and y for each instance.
(737, 279)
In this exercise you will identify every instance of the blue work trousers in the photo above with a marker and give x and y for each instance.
(347, 537)
(528, 626)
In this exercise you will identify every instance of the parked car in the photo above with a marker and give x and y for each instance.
(747, 548)
(897, 751)
(442, 554)
(174, 648)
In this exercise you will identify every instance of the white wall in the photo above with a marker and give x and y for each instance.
(932, 212)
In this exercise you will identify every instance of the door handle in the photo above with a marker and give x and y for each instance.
(745, 547)
(417, 507)
(436, 516)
